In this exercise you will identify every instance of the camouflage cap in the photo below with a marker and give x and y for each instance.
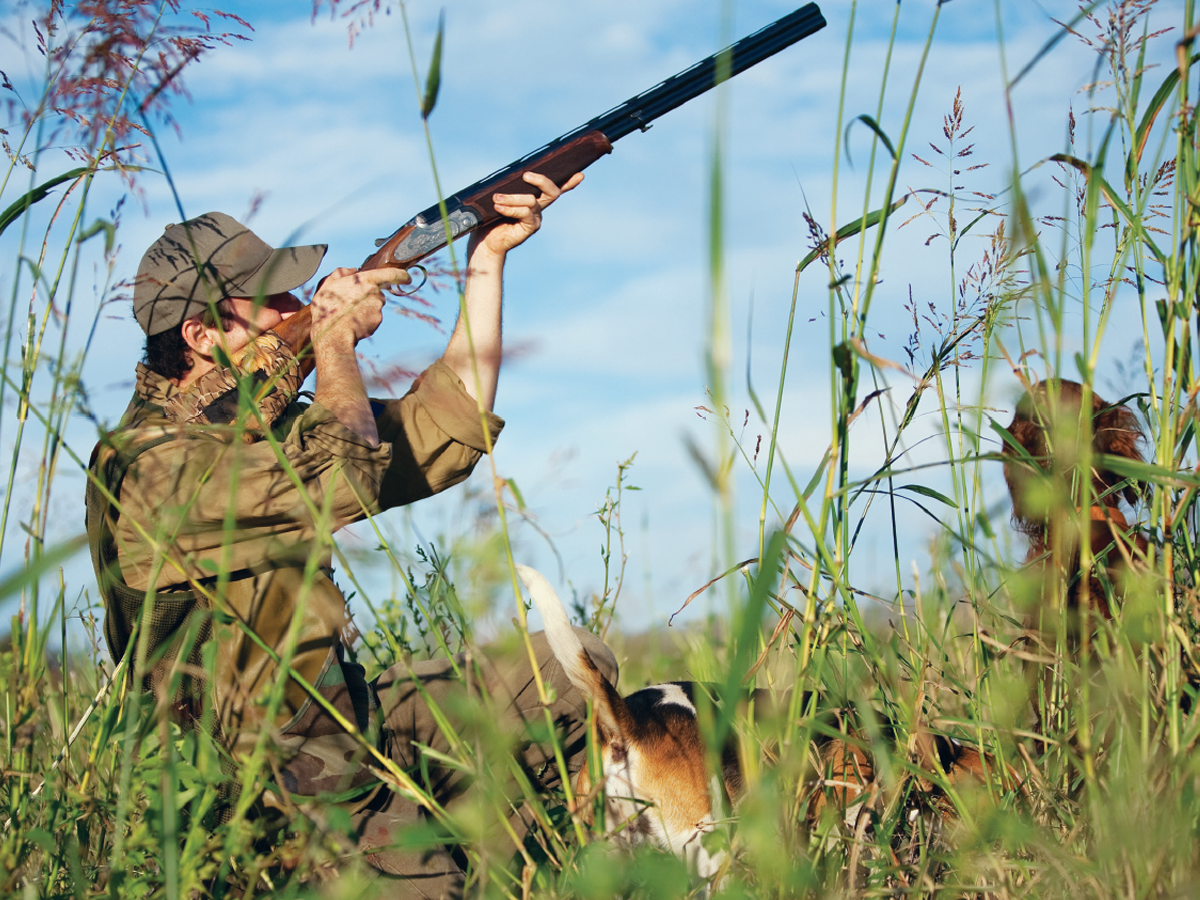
(207, 259)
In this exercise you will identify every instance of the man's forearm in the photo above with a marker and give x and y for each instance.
(340, 387)
(482, 310)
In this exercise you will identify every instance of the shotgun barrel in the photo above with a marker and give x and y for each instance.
(558, 160)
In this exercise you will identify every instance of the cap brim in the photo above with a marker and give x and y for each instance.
(284, 270)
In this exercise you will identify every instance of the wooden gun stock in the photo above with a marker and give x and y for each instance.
(296, 332)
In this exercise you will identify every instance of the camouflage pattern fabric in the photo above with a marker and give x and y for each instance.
(504, 675)
(271, 377)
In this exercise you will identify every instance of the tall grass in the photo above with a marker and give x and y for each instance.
(1097, 794)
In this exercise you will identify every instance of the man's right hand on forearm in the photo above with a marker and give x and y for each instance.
(348, 307)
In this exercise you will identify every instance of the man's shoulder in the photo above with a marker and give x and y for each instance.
(154, 427)
(130, 440)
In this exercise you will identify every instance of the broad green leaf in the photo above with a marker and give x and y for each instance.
(984, 523)
(1152, 110)
(100, 225)
(1081, 367)
(928, 492)
(1146, 472)
(516, 492)
(817, 475)
(42, 838)
(962, 232)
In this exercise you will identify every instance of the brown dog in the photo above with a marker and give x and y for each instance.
(1047, 487)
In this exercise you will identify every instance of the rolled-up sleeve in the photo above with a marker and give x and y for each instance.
(436, 433)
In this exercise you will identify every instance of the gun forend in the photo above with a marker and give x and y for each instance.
(472, 208)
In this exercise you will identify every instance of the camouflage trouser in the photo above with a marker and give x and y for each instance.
(435, 870)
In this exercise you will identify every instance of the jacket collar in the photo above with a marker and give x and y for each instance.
(150, 392)
(152, 387)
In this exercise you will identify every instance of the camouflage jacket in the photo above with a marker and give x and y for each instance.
(240, 536)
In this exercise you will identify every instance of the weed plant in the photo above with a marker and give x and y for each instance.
(1091, 782)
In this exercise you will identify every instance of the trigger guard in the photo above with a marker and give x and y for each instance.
(412, 290)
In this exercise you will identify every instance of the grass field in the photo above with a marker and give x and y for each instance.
(1094, 793)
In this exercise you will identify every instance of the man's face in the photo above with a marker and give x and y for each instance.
(250, 319)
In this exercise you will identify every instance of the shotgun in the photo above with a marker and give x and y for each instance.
(471, 208)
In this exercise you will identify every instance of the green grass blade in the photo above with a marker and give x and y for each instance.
(433, 80)
(868, 221)
(17, 209)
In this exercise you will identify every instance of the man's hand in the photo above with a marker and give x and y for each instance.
(348, 307)
(348, 304)
(526, 212)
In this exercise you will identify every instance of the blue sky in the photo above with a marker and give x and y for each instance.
(606, 307)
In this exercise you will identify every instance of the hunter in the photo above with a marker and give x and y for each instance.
(213, 552)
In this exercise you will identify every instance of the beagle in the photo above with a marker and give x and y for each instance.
(652, 754)
(658, 787)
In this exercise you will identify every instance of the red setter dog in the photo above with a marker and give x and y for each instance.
(1047, 487)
